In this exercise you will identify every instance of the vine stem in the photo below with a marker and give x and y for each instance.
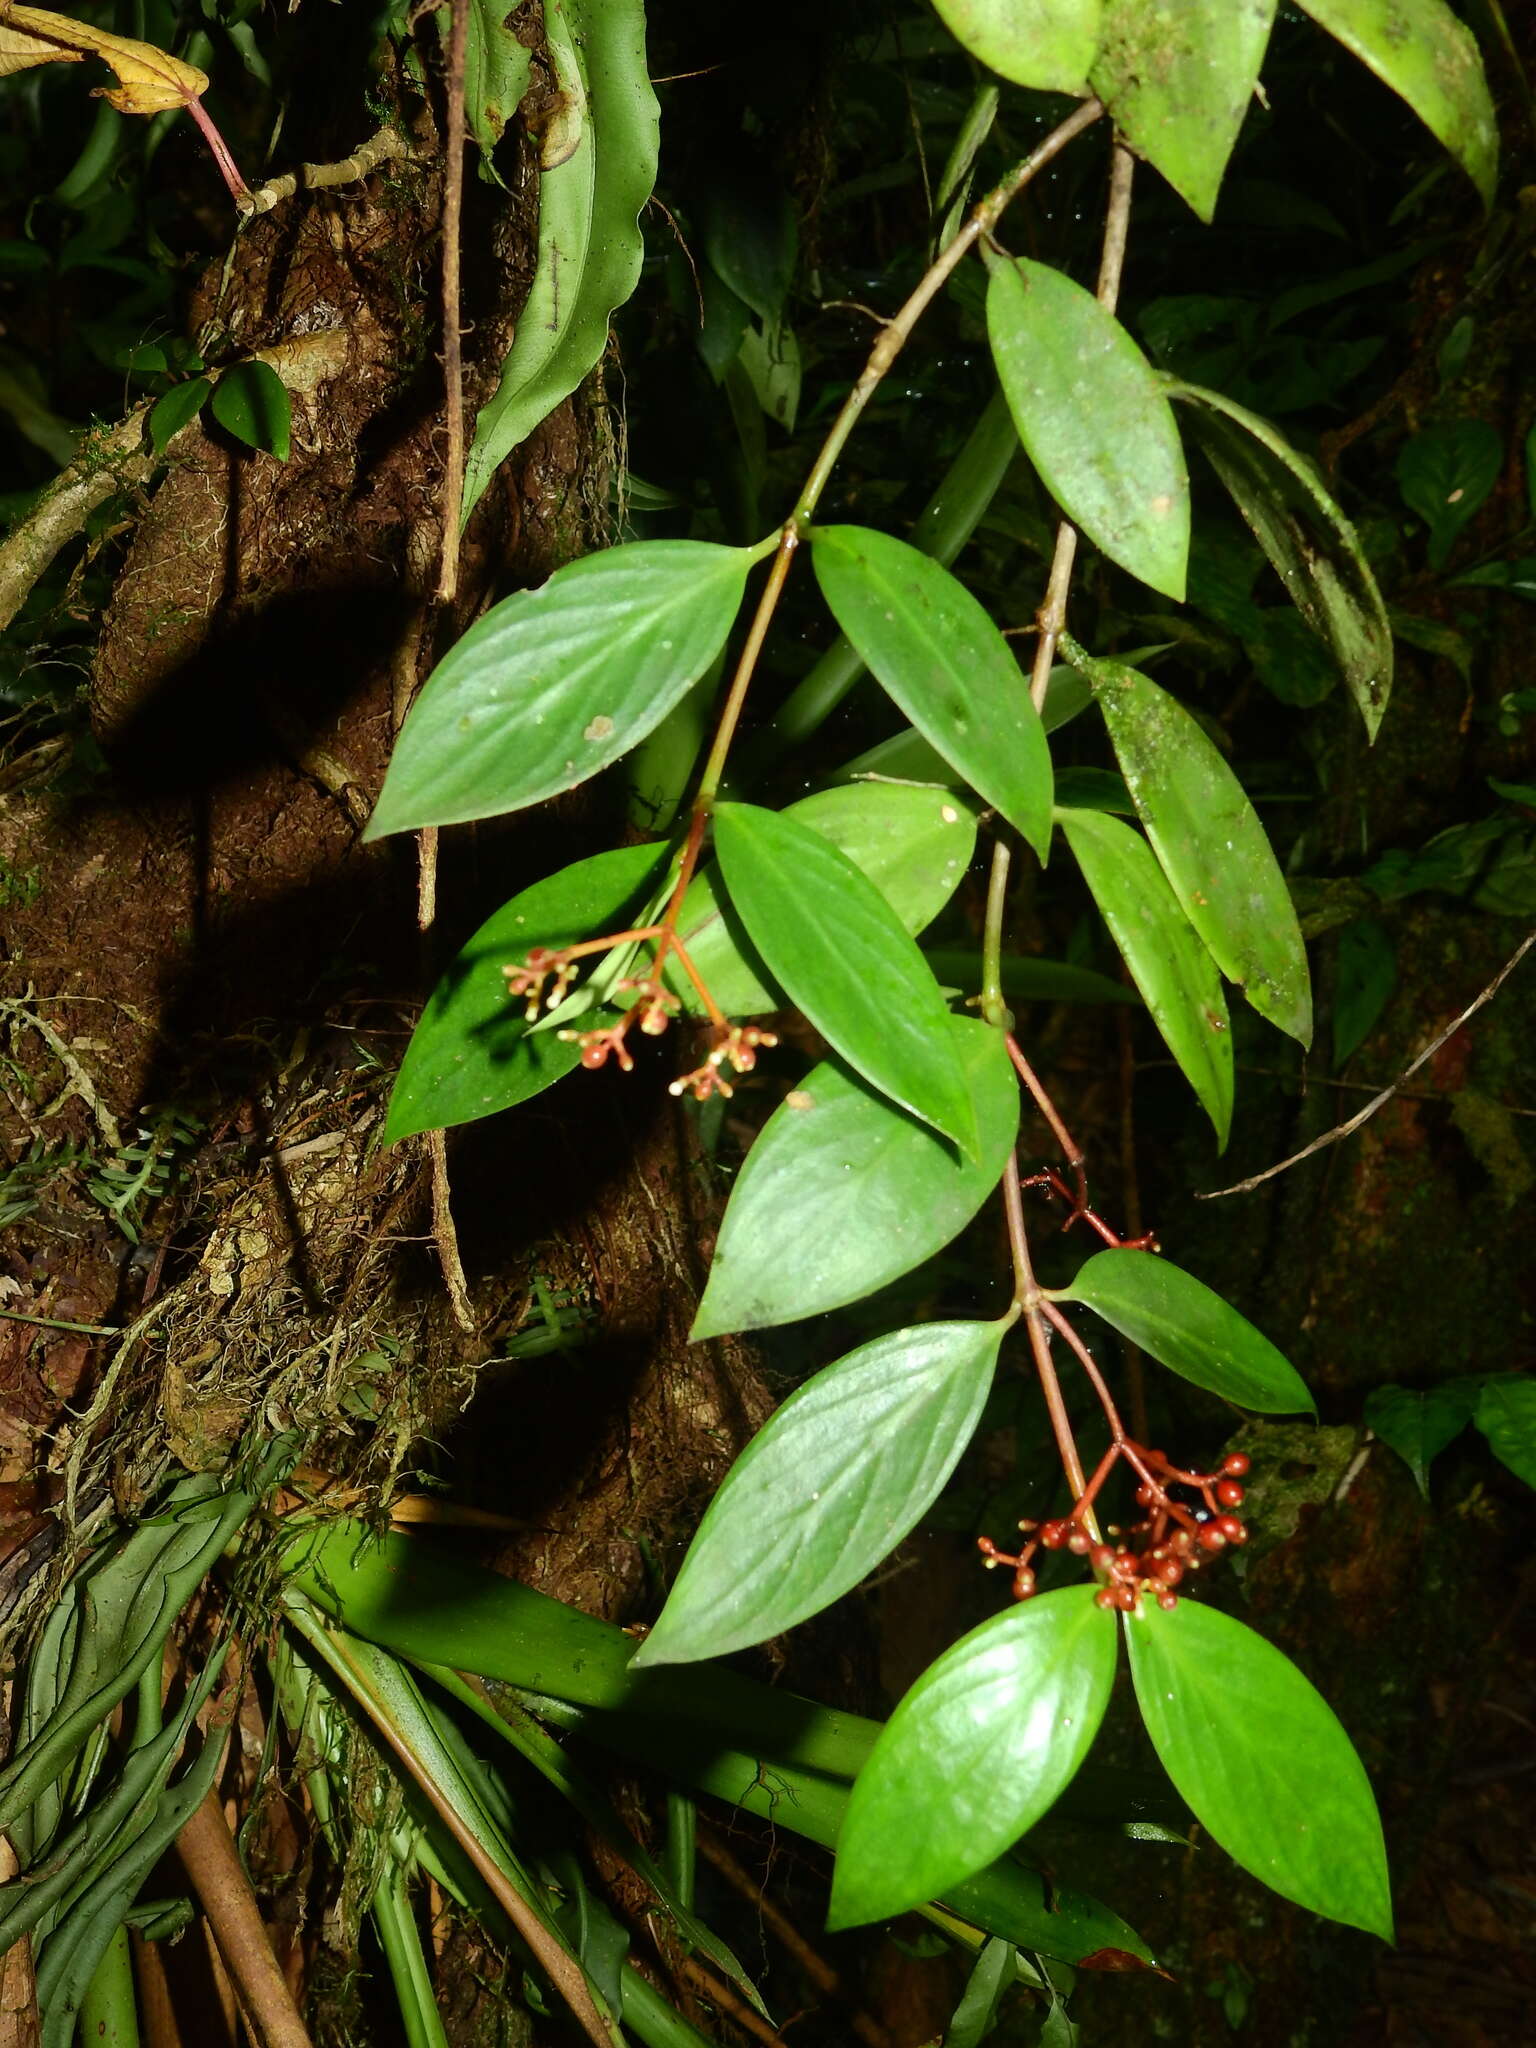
(1028, 1298)
(453, 338)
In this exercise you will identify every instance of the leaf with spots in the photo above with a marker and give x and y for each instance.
(554, 684)
(1045, 44)
(826, 1490)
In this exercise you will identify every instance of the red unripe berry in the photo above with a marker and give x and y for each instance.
(1229, 1493)
(1144, 1496)
(1105, 1597)
(1167, 1601)
(1124, 1597)
(1079, 1542)
(1169, 1570)
(1053, 1534)
(1212, 1537)
(1102, 1557)
(1231, 1528)
(1237, 1466)
(1023, 1582)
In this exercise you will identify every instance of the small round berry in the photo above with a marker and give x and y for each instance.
(1079, 1542)
(1230, 1527)
(1144, 1496)
(1053, 1534)
(1167, 1601)
(1105, 1597)
(1101, 1557)
(1168, 1570)
(1211, 1538)
(1237, 1466)
(1124, 1597)
(1229, 1493)
(1023, 1583)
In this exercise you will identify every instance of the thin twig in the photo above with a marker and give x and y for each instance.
(1352, 1124)
(387, 145)
(453, 334)
(736, 2009)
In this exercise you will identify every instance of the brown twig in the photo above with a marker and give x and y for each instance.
(1352, 1124)
(386, 146)
(453, 348)
(1130, 1210)
(212, 1862)
(736, 2009)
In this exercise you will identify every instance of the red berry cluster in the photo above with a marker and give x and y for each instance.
(1152, 1555)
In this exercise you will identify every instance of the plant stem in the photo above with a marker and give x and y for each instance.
(993, 1008)
(1027, 1296)
(453, 341)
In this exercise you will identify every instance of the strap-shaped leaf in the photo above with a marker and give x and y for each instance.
(1313, 547)
(842, 1193)
(1169, 964)
(1190, 1329)
(1418, 1426)
(1093, 418)
(942, 661)
(1428, 58)
(473, 1053)
(1506, 1415)
(1178, 76)
(914, 844)
(827, 1489)
(496, 73)
(1209, 843)
(1046, 44)
(598, 164)
(840, 952)
(1261, 1760)
(556, 683)
(977, 1753)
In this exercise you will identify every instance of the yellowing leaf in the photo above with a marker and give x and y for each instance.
(150, 80)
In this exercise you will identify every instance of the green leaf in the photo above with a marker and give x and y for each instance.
(1427, 57)
(250, 401)
(978, 1752)
(1185, 1326)
(938, 656)
(1313, 547)
(914, 843)
(179, 407)
(1045, 44)
(1027, 979)
(473, 1052)
(842, 1194)
(1169, 964)
(1446, 475)
(1506, 1415)
(1261, 1760)
(1178, 77)
(554, 684)
(598, 168)
(1418, 1426)
(837, 948)
(747, 225)
(1209, 843)
(1091, 413)
(1363, 985)
(994, 1972)
(496, 74)
(826, 1489)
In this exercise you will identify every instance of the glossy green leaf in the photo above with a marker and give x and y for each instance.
(1418, 1426)
(978, 1752)
(993, 1973)
(1180, 1322)
(1027, 979)
(1046, 44)
(1092, 415)
(939, 657)
(1209, 843)
(1261, 1760)
(842, 1194)
(473, 1053)
(1313, 547)
(597, 170)
(841, 953)
(553, 684)
(827, 1489)
(1446, 475)
(1428, 58)
(914, 843)
(1178, 77)
(1506, 1415)
(496, 74)
(1365, 977)
(251, 402)
(179, 407)
(1168, 963)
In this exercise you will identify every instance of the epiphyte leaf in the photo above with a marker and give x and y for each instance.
(1446, 475)
(842, 1193)
(1506, 1415)
(554, 684)
(1364, 980)
(1178, 77)
(827, 1489)
(150, 80)
(1427, 57)
(1168, 962)
(1418, 1425)
(976, 1754)
(939, 657)
(1187, 1327)
(251, 402)
(1045, 44)
(175, 410)
(1208, 841)
(838, 949)
(472, 1053)
(914, 843)
(1093, 418)
(1313, 547)
(497, 67)
(1261, 1760)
